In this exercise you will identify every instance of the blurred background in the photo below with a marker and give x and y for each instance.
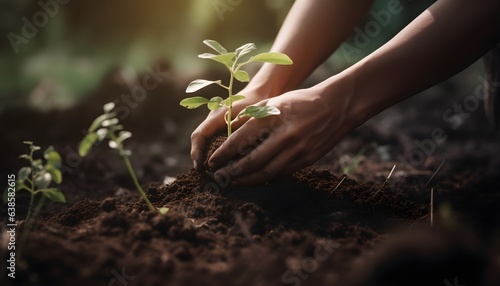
(53, 53)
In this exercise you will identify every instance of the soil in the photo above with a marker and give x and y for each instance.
(316, 227)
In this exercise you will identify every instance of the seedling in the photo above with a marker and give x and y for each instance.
(106, 126)
(36, 179)
(233, 61)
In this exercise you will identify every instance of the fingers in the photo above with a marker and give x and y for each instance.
(254, 160)
(240, 142)
(200, 136)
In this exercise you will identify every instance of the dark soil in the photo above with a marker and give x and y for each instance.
(317, 227)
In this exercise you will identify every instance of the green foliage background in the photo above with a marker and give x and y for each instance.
(70, 55)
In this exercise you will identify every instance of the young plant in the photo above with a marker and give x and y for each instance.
(106, 126)
(37, 178)
(233, 61)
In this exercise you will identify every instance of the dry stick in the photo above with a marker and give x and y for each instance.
(386, 180)
(435, 173)
(338, 185)
(432, 207)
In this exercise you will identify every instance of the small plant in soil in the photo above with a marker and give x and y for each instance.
(106, 126)
(233, 61)
(37, 178)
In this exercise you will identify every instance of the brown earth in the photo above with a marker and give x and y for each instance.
(318, 227)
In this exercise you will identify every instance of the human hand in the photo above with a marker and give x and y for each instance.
(214, 124)
(309, 126)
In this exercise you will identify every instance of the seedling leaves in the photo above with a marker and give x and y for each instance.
(216, 46)
(215, 103)
(54, 194)
(259, 111)
(87, 143)
(272, 57)
(194, 102)
(53, 158)
(43, 180)
(108, 107)
(23, 173)
(245, 49)
(198, 84)
(242, 76)
(56, 175)
(230, 100)
(99, 120)
(225, 59)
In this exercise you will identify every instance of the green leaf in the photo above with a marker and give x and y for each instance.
(108, 107)
(272, 57)
(245, 49)
(53, 158)
(110, 122)
(43, 180)
(123, 136)
(101, 133)
(56, 175)
(193, 102)
(163, 210)
(215, 103)
(23, 173)
(259, 111)
(216, 46)
(25, 156)
(54, 194)
(37, 165)
(113, 144)
(35, 148)
(87, 143)
(97, 122)
(198, 84)
(242, 76)
(225, 59)
(230, 100)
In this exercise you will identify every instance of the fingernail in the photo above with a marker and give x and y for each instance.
(195, 165)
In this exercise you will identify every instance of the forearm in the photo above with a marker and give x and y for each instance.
(309, 35)
(443, 40)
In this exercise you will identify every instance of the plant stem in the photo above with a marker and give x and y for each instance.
(230, 107)
(32, 189)
(136, 182)
(30, 223)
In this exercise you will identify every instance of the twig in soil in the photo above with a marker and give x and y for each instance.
(338, 185)
(386, 180)
(432, 207)
(435, 173)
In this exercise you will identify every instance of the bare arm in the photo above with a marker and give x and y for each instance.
(311, 32)
(444, 39)
(441, 42)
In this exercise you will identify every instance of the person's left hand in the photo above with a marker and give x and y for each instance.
(309, 126)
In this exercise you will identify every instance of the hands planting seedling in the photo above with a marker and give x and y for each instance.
(233, 62)
(107, 126)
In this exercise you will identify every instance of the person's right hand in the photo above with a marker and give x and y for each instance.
(214, 124)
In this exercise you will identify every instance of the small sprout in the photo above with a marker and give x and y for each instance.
(36, 179)
(233, 62)
(107, 126)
